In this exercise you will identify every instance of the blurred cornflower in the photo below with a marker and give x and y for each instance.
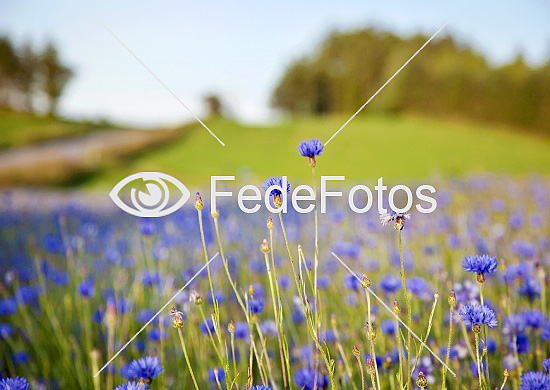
(530, 289)
(533, 319)
(533, 380)
(7, 307)
(260, 387)
(388, 327)
(132, 386)
(216, 375)
(86, 289)
(305, 379)
(480, 265)
(390, 284)
(546, 365)
(311, 149)
(207, 326)
(145, 369)
(6, 331)
(275, 181)
(475, 315)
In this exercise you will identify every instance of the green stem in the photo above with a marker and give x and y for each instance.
(182, 341)
(476, 335)
(408, 306)
(447, 357)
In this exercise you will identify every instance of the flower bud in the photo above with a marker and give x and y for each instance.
(421, 381)
(370, 366)
(396, 308)
(216, 213)
(366, 281)
(251, 290)
(355, 352)
(198, 202)
(270, 223)
(265, 246)
(452, 298)
(231, 327)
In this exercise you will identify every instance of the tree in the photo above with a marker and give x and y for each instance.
(55, 76)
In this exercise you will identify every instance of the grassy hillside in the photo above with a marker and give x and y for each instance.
(18, 129)
(398, 148)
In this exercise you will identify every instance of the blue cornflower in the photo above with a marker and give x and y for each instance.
(260, 387)
(7, 307)
(545, 334)
(14, 384)
(146, 368)
(242, 331)
(546, 365)
(352, 283)
(388, 327)
(20, 357)
(417, 286)
(533, 380)
(534, 319)
(311, 149)
(218, 373)
(207, 327)
(132, 386)
(476, 315)
(530, 289)
(275, 181)
(390, 284)
(480, 265)
(5, 331)
(256, 305)
(86, 289)
(155, 335)
(452, 355)
(305, 379)
(522, 343)
(27, 295)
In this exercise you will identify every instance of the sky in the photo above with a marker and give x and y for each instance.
(237, 49)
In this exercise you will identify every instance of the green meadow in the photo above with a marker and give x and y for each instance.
(395, 147)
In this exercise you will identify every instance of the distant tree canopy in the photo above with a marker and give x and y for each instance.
(27, 75)
(445, 79)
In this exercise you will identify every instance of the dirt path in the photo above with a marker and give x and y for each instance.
(60, 160)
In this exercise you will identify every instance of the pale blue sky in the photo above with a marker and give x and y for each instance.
(238, 49)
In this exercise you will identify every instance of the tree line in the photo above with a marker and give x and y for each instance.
(31, 80)
(446, 79)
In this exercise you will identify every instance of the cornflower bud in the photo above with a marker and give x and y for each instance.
(421, 381)
(265, 246)
(270, 223)
(198, 202)
(231, 327)
(396, 308)
(452, 298)
(216, 213)
(365, 281)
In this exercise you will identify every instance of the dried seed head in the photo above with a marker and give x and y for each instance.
(421, 381)
(198, 202)
(366, 281)
(396, 308)
(196, 298)
(270, 223)
(452, 298)
(355, 352)
(265, 246)
(177, 318)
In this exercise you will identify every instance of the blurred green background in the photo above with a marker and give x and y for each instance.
(452, 111)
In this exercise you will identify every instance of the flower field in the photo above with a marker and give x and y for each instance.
(275, 308)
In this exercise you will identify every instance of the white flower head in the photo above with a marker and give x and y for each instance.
(397, 218)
